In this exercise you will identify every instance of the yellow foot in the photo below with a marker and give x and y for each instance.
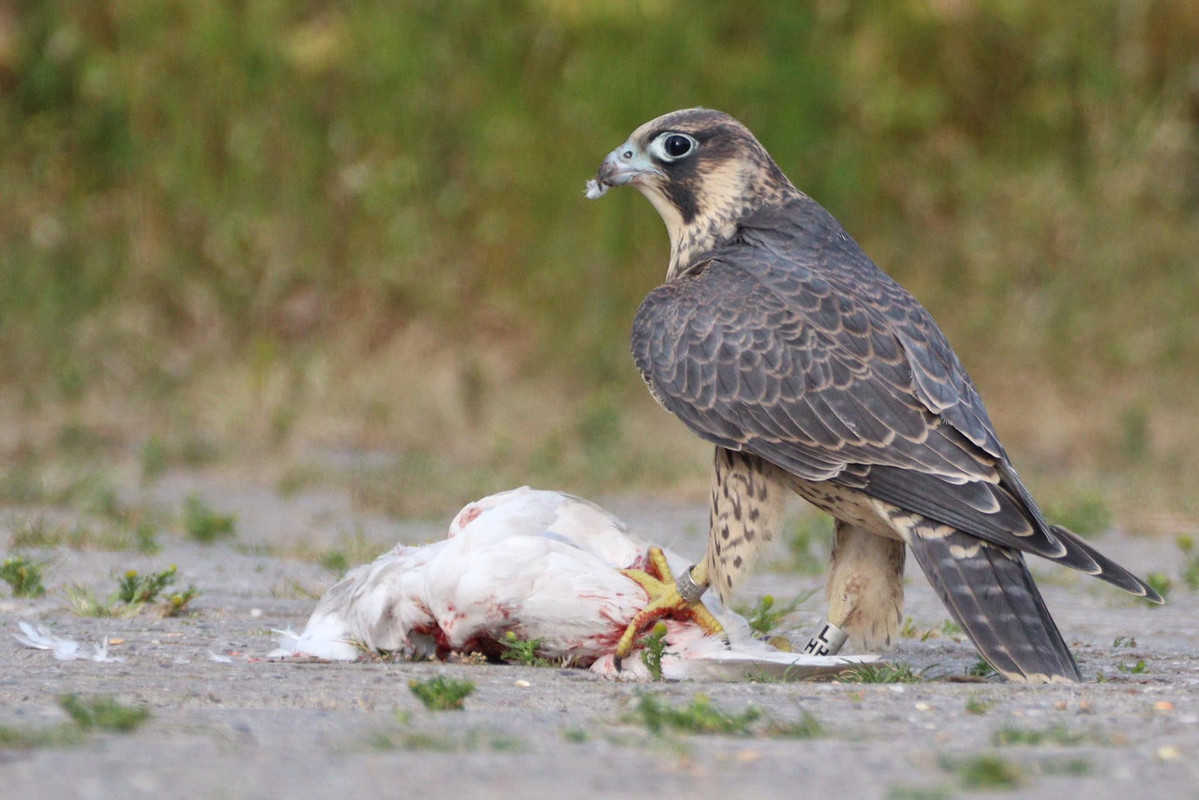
(664, 601)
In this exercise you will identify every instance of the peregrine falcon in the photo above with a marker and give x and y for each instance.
(779, 341)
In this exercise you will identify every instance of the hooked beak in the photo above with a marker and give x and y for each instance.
(624, 165)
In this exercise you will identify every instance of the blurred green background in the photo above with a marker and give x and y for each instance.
(346, 241)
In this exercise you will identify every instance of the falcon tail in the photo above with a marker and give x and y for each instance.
(991, 594)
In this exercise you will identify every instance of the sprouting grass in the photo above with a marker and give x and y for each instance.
(85, 604)
(1190, 561)
(1058, 735)
(919, 793)
(134, 592)
(523, 651)
(1124, 641)
(135, 532)
(12, 738)
(981, 669)
(806, 727)
(653, 647)
(205, 525)
(469, 741)
(442, 693)
(350, 551)
(335, 561)
(764, 617)
(139, 590)
(136, 588)
(978, 705)
(884, 672)
(575, 735)
(701, 715)
(1073, 767)
(1139, 668)
(986, 771)
(103, 713)
(87, 714)
(23, 575)
(910, 630)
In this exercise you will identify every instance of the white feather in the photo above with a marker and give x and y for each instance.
(63, 649)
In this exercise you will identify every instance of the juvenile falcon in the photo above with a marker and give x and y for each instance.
(775, 338)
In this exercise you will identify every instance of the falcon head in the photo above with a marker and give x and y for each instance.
(702, 170)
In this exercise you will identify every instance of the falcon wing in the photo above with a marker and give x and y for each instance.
(820, 364)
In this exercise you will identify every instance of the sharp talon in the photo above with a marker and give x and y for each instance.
(659, 584)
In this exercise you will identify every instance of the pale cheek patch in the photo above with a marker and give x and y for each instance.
(595, 189)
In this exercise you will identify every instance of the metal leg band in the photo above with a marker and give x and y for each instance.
(827, 641)
(689, 590)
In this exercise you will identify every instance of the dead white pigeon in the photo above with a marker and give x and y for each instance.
(541, 565)
(63, 649)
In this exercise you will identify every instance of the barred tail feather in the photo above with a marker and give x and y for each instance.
(991, 594)
(1105, 568)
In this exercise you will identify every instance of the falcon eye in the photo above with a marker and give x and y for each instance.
(673, 146)
(677, 146)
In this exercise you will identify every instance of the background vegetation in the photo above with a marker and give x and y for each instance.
(347, 240)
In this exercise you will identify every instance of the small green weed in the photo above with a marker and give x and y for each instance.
(103, 713)
(473, 740)
(977, 705)
(145, 535)
(982, 669)
(96, 713)
(349, 550)
(131, 534)
(335, 561)
(522, 651)
(135, 588)
(1058, 735)
(700, 716)
(653, 647)
(984, 772)
(24, 575)
(86, 604)
(134, 592)
(1139, 668)
(35, 533)
(37, 738)
(575, 735)
(910, 630)
(442, 693)
(806, 727)
(899, 672)
(918, 793)
(412, 740)
(1124, 641)
(1074, 767)
(764, 617)
(1190, 561)
(205, 525)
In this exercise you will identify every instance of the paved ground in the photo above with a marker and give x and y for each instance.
(253, 728)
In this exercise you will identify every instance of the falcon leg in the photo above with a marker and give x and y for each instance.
(666, 599)
(865, 589)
